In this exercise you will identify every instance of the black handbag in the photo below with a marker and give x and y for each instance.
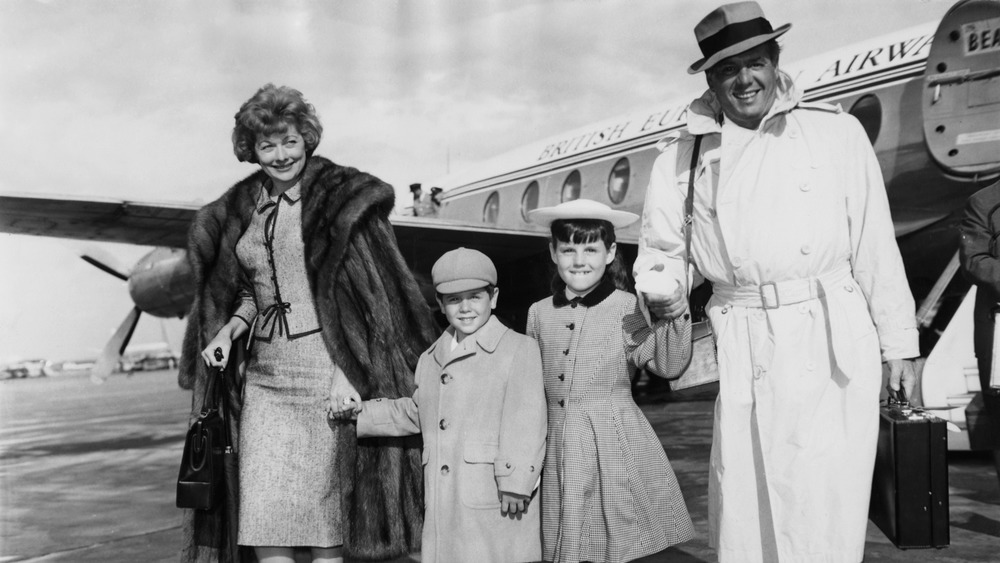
(201, 481)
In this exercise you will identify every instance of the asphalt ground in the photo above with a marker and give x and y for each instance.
(87, 473)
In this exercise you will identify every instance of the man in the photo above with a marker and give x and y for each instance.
(981, 264)
(791, 225)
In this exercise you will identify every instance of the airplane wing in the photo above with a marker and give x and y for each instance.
(422, 240)
(108, 220)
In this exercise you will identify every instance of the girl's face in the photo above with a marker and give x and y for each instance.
(582, 265)
(282, 156)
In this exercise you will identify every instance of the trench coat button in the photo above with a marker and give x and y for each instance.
(531, 469)
(759, 313)
(793, 133)
(571, 326)
(758, 372)
(444, 470)
(562, 403)
(810, 365)
(737, 262)
(562, 377)
(725, 310)
(711, 213)
(849, 288)
(443, 425)
(803, 308)
(806, 249)
(804, 186)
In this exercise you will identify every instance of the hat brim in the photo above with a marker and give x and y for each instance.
(546, 215)
(458, 286)
(735, 49)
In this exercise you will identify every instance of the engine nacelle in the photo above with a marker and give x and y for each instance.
(162, 283)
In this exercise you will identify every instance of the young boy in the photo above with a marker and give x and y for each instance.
(480, 405)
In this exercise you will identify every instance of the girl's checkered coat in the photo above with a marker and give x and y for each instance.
(608, 492)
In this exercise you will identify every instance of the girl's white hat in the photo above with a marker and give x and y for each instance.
(582, 209)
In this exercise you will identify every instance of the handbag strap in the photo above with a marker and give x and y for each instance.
(689, 207)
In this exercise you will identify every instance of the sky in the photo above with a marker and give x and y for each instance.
(135, 100)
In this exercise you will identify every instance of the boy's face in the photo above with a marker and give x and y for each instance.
(469, 310)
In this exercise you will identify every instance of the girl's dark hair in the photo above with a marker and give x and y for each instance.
(583, 231)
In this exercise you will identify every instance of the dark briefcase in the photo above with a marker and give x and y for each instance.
(910, 487)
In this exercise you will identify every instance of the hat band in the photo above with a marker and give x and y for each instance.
(733, 34)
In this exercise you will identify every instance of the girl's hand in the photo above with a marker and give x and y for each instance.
(223, 342)
(512, 505)
(345, 401)
(667, 307)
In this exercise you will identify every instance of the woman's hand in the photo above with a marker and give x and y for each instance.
(345, 401)
(222, 342)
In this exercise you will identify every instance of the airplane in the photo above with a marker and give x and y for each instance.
(927, 96)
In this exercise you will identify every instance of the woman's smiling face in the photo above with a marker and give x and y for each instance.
(282, 156)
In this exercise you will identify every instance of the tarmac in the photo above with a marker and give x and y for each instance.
(87, 474)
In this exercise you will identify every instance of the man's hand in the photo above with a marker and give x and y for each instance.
(512, 505)
(667, 307)
(901, 374)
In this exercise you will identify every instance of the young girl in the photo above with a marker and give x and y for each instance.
(608, 492)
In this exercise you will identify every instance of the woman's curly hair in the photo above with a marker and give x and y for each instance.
(271, 110)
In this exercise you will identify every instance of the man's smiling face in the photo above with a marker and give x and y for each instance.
(746, 85)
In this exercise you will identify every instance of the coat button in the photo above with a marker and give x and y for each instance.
(806, 249)
(758, 372)
(444, 378)
(849, 288)
(711, 213)
(805, 187)
(566, 352)
(444, 470)
(507, 465)
(531, 469)
(810, 365)
(562, 377)
(443, 425)
(571, 326)
(573, 304)
(803, 308)
(562, 403)
(737, 262)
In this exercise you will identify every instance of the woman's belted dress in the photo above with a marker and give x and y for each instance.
(289, 487)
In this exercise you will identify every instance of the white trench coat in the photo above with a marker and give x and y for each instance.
(792, 226)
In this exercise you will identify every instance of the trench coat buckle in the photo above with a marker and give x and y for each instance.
(769, 295)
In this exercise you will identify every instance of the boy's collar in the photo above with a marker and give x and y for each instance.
(600, 293)
(487, 337)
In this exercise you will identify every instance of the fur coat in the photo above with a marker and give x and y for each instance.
(375, 325)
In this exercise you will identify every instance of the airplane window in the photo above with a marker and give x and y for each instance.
(571, 187)
(529, 200)
(868, 110)
(618, 181)
(492, 208)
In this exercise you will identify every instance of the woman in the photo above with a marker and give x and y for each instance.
(300, 258)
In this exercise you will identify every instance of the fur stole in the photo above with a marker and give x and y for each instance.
(375, 326)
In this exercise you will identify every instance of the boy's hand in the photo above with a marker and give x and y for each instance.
(513, 505)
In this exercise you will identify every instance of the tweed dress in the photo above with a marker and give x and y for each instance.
(608, 491)
(289, 489)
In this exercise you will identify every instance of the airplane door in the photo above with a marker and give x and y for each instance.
(961, 99)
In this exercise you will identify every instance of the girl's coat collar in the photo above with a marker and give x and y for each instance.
(599, 294)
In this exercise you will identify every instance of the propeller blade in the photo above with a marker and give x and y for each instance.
(113, 349)
(103, 261)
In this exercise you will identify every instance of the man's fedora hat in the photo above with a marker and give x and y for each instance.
(582, 209)
(732, 29)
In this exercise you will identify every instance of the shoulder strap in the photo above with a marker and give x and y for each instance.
(689, 207)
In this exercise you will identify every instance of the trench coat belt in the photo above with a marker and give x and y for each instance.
(771, 295)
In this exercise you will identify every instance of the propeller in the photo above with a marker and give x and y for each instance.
(113, 350)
